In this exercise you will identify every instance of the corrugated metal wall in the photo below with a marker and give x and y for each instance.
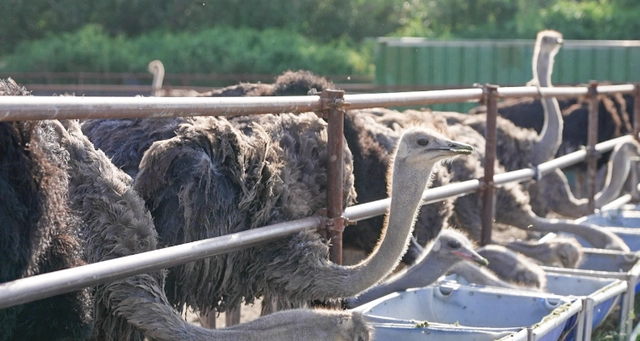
(461, 63)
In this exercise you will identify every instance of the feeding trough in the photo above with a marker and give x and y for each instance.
(625, 216)
(451, 311)
(599, 297)
(610, 264)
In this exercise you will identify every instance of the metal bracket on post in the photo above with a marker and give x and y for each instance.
(333, 111)
(487, 188)
(592, 154)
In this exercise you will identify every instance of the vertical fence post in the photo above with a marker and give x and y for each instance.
(488, 198)
(636, 130)
(332, 102)
(636, 111)
(592, 154)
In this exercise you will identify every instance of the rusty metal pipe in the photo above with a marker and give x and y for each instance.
(592, 154)
(488, 197)
(333, 100)
(14, 108)
(40, 108)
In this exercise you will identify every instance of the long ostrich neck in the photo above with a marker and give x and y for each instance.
(598, 237)
(618, 169)
(534, 250)
(551, 135)
(475, 274)
(416, 276)
(158, 78)
(407, 185)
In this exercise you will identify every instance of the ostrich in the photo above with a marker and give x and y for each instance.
(156, 68)
(38, 233)
(613, 119)
(109, 220)
(566, 204)
(512, 203)
(211, 179)
(467, 272)
(450, 247)
(512, 266)
(126, 140)
(139, 300)
(371, 144)
(560, 251)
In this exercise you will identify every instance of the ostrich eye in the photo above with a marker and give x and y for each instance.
(454, 244)
(423, 141)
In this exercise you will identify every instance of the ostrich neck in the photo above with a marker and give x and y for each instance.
(618, 169)
(156, 84)
(551, 135)
(536, 251)
(419, 275)
(408, 184)
(598, 237)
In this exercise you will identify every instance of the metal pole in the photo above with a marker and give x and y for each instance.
(592, 154)
(636, 111)
(491, 100)
(332, 101)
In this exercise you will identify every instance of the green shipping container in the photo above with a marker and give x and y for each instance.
(439, 64)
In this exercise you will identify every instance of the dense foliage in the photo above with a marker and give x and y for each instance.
(216, 50)
(256, 36)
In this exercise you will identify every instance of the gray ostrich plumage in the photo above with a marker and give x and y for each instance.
(449, 248)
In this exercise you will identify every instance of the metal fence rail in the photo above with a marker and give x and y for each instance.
(37, 108)
(14, 108)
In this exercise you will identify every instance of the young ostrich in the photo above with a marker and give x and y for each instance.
(211, 179)
(449, 248)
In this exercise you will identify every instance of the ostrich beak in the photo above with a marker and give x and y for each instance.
(471, 255)
(459, 147)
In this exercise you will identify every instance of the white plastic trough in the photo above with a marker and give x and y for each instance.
(611, 264)
(451, 311)
(625, 216)
(599, 297)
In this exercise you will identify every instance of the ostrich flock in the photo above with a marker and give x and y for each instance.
(79, 192)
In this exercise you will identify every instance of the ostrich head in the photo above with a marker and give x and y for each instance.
(155, 66)
(452, 246)
(547, 45)
(420, 145)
